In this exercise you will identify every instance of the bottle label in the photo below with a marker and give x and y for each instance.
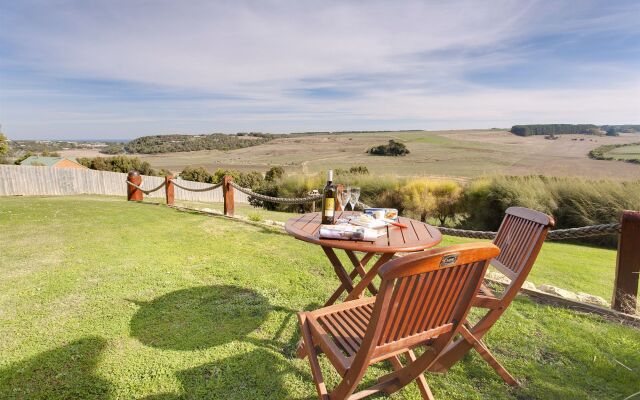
(329, 207)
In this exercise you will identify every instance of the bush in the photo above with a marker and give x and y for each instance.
(573, 202)
(431, 198)
(274, 173)
(196, 174)
(392, 149)
(119, 164)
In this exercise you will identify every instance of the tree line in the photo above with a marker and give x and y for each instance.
(555, 129)
(176, 143)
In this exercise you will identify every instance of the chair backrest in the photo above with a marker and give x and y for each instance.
(426, 295)
(520, 238)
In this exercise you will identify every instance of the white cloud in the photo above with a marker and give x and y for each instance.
(404, 62)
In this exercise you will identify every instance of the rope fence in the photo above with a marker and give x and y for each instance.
(281, 200)
(147, 192)
(558, 234)
(213, 187)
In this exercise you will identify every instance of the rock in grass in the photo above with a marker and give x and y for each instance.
(565, 294)
(591, 299)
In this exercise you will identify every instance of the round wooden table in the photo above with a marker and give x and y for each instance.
(416, 237)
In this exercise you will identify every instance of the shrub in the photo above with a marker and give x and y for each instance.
(118, 164)
(392, 149)
(435, 198)
(274, 173)
(196, 174)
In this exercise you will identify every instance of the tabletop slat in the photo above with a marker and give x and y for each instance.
(417, 236)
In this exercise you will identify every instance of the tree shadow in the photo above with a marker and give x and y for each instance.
(63, 373)
(200, 317)
(258, 374)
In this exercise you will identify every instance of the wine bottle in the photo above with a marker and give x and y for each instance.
(329, 201)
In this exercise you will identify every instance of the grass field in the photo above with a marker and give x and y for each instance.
(625, 153)
(100, 298)
(439, 153)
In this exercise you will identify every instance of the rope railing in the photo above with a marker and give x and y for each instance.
(281, 200)
(213, 187)
(558, 234)
(144, 190)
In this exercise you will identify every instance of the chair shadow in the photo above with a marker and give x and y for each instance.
(66, 372)
(199, 317)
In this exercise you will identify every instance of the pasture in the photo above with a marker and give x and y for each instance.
(105, 299)
(460, 154)
(625, 153)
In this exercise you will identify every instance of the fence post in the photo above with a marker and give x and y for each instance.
(339, 190)
(227, 192)
(169, 190)
(625, 288)
(134, 194)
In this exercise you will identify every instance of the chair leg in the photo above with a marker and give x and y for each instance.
(316, 372)
(421, 381)
(488, 357)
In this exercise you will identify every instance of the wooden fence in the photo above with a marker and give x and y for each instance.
(19, 180)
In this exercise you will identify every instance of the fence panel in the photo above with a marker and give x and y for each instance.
(22, 180)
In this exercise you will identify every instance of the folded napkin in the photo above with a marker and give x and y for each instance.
(349, 232)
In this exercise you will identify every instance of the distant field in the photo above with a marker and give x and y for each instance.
(625, 153)
(438, 153)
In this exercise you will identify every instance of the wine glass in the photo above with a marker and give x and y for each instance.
(353, 199)
(344, 197)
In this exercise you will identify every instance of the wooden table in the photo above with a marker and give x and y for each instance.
(416, 237)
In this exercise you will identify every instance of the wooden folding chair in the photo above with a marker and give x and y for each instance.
(422, 300)
(519, 238)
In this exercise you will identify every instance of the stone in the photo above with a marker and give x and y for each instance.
(565, 294)
(497, 276)
(528, 285)
(592, 299)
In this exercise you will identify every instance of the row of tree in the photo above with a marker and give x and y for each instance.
(121, 164)
(555, 129)
(176, 143)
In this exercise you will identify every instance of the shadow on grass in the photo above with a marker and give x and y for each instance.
(208, 316)
(63, 373)
(258, 374)
(199, 317)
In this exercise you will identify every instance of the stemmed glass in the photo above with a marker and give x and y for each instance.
(353, 199)
(344, 197)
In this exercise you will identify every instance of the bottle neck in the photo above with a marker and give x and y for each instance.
(330, 177)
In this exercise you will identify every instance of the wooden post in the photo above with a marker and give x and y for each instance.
(169, 190)
(339, 190)
(134, 194)
(625, 288)
(227, 192)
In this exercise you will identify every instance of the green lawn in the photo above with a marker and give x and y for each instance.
(100, 298)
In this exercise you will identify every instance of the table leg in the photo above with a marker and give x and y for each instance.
(368, 278)
(357, 263)
(344, 277)
(359, 267)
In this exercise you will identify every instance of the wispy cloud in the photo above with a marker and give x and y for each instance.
(122, 68)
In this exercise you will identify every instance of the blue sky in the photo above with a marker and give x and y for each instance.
(121, 69)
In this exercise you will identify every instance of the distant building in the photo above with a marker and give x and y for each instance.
(53, 162)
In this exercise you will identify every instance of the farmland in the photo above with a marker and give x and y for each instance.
(625, 153)
(435, 153)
